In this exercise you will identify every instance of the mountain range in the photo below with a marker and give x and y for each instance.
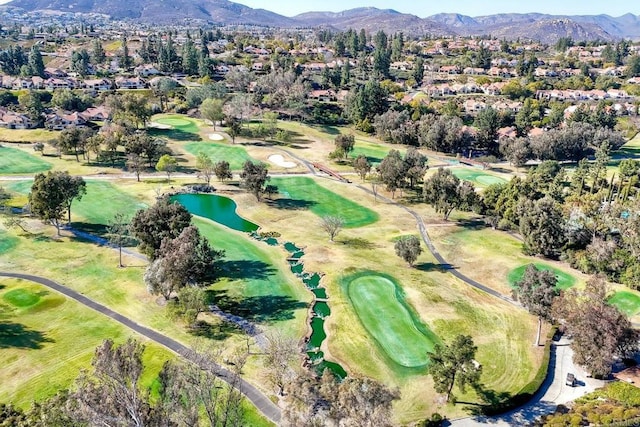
(536, 26)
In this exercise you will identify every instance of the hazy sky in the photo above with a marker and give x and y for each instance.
(425, 8)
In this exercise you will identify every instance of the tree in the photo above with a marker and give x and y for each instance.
(191, 301)
(235, 127)
(135, 163)
(454, 364)
(163, 220)
(162, 88)
(73, 139)
(537, 291)
(392, 171)
(184, 260)
(445, 192)
(111, 394)
(52, 194)
(97, 51)
(36, 64)
(415, 165)
(332, 225)
(211, 109)
(408, 248)
(600, 331)
(118, 233)
(167, 164)
(280, 352)
(222, 170)
(345, 144)
(254, 177)
(542, 227)
(205, 167)
(362, 166)
(488, 122)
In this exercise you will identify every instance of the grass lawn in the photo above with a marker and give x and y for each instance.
(381, 307)
(181, 123)
(235, 155)
(46, 339)
(27, 135)
(477, 177)
(306, 193)
(627, 302)
(14, 161)
(373, 152)
(99, 205)
(565, 280)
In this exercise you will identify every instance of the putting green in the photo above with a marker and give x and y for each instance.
(236, 156)
(304, 192)
(181, 123)
(627, 302)
(384, 313)
(477, 177)
(21, 298)
(14, 161)
(373, 152)
(565, 281)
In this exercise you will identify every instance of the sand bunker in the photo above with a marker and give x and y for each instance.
(278, 160)
(160, 126)
(216, 137)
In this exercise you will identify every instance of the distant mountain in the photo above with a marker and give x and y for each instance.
(547, 28)
(163, 11)
(372, 20)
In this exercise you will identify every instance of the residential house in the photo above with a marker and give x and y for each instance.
(130, 83)
(60, 120)
(97, 84)
(12, 120)
(146, 70)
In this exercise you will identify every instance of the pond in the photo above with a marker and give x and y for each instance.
(217, 208)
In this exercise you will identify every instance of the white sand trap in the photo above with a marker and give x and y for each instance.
(160, 126)
(278, 160)
(216, 137)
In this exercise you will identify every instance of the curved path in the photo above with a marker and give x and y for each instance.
(261, 401)
(425, 237)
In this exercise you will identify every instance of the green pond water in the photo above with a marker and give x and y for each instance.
(321, 309)
(320, 293)
(291, 247)
(318, 335)
(297, 268)
(312, 281)
(217, 208)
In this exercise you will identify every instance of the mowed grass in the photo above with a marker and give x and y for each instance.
(253, 283)
(235, 155)
(14, 161)
(373, 152)
(46, 340)
(381, 307)
(627, 302)
(27, 135)
(477, 177)
(181, 123)
(306, 193)
(102, 201)
(565, 280)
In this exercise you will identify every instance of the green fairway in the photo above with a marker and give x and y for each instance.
(305, 193)
(102, 201)
(380, 305)
(627, 302)
(565, 281)
(373, 152)
(252, 286)
(235, 155)
(14, 161)
(477, 177)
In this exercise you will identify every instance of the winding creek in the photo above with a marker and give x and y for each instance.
(223, 211)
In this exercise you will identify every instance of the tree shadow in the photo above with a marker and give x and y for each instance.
(259, 309)
(331, 130)
(176, 134)
(217, 332)
(291, 204)
(359, 243)
(472, 224)
(431, 266)
(86, 227)
(246, 269)
(15, 335)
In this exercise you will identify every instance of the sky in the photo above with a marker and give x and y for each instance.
(424, 8)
